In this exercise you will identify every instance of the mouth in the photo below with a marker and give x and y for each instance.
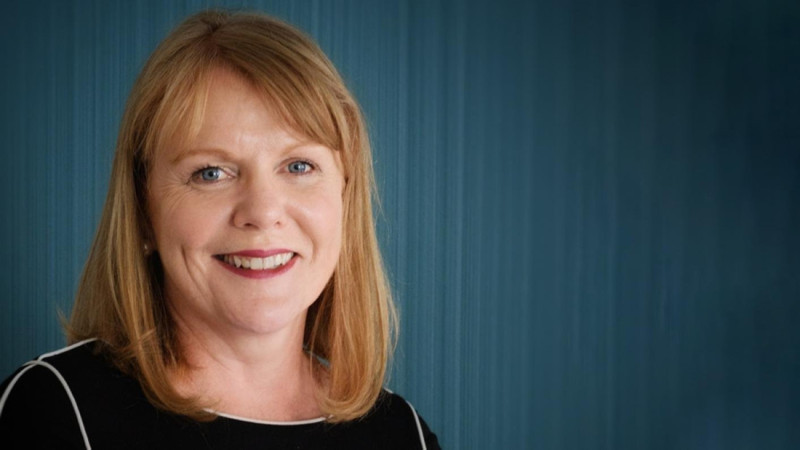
(254, 263)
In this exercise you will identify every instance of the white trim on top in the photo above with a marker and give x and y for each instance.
(419, 427)
(416, 419)
(68, 391)
(267, 422)
(39, 362)
(65, 349)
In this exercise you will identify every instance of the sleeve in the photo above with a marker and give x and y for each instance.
(38, 412)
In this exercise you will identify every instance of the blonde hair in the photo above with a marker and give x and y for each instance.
(119, 298)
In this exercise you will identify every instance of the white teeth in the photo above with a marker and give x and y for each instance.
(270, 262)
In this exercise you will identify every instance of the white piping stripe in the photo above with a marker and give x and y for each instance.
(65, 349)
(30, 365)
(419, 427)
(38, 362)
(66, 389)
(11, 386)
(267, 422)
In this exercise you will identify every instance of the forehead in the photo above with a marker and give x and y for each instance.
(227, 110)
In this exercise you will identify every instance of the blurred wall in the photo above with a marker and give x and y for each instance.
(589, 209)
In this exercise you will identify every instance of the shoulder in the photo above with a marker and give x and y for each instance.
(399, 408)
(49, 374)
(37, 401)
(63, 398)
(391, 423)
(78, 367)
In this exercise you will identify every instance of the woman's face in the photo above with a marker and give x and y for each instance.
(247, 217)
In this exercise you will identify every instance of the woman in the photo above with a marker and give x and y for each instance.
(234, 296)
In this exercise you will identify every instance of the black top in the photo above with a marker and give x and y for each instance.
(75, 398)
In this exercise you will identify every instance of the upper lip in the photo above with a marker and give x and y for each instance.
(257, 253)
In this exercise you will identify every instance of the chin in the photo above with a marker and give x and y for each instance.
(271, 321)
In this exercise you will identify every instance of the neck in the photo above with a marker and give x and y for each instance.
(262, 377)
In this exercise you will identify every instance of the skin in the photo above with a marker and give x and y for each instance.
(245, 182)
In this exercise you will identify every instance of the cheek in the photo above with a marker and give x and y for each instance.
(180, 222)
(184, 231)
(323, 220)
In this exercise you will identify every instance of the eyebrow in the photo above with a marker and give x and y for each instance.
(211, 151)
(224, 154)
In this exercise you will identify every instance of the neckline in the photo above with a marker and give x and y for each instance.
(267, 422)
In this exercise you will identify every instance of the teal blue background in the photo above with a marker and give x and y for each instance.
(590, 209)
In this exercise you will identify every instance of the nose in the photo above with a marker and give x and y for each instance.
(260, 205)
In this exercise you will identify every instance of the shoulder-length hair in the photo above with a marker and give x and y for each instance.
(119, 299)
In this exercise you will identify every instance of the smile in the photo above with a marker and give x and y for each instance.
(268, 263)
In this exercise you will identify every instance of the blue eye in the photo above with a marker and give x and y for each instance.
(210, 173)
(299, 167)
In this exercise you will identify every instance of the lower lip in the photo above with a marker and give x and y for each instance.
(259, 274)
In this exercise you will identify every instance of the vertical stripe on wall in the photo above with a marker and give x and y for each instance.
(588, 210)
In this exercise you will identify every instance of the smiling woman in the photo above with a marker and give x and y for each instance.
(235, 281)
(246, 201)
(265, 196)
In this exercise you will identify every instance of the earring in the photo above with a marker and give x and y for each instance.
(147, 249)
